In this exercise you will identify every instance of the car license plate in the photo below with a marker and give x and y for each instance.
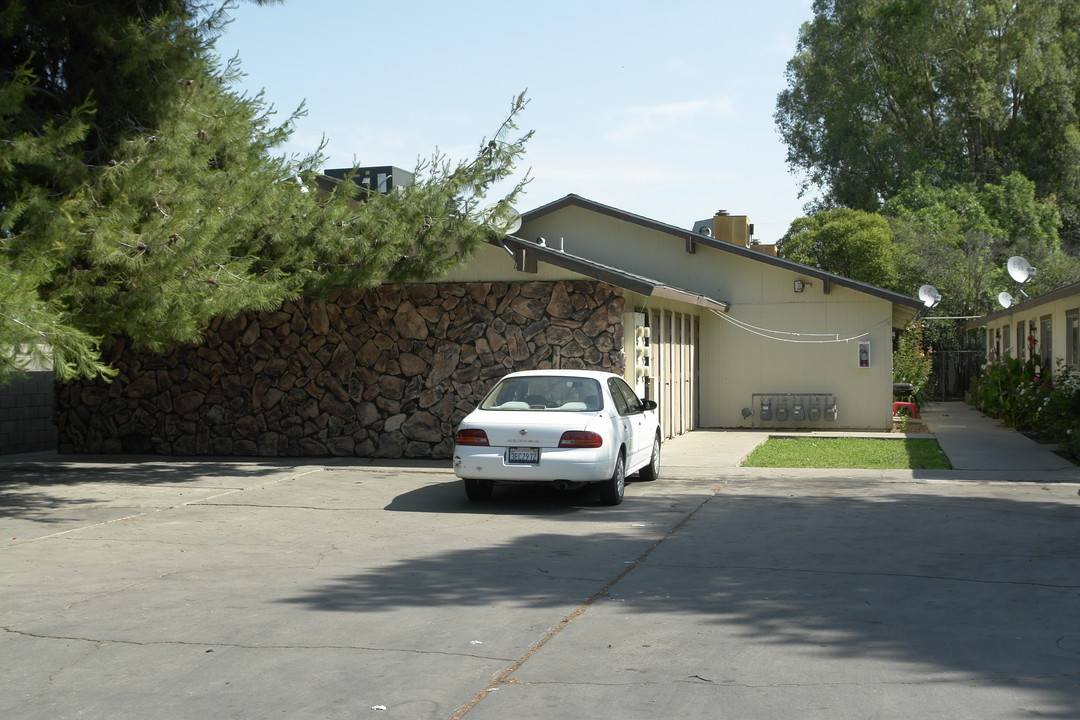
(522, 455)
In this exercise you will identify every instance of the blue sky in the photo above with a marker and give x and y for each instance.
(660, 109)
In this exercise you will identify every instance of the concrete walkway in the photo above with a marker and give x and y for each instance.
(979, 448)
(974, 441)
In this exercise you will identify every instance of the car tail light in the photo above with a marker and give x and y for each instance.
(471, 437)
(580, 439)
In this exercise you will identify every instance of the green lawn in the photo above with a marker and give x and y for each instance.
(863, 453)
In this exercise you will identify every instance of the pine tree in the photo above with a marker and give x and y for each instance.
(140, 195)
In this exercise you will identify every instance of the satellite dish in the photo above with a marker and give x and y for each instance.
(1019, 269)
(929, 295)
(1006, 300)
(505, 221)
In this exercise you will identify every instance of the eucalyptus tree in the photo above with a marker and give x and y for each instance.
(965, 91)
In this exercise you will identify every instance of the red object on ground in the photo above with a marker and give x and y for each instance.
(909, 405)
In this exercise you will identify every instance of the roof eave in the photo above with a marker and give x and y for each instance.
(688, 236)
(1062, 292)
(627, 281)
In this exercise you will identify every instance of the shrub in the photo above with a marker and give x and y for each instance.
(1026, 398)
(912, 363)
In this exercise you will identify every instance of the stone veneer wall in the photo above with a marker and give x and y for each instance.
(386, 373)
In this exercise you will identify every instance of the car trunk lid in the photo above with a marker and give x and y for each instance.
(541, 429)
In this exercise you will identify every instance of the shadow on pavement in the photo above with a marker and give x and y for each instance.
(533, 500)
(983, 589)
(138, 471)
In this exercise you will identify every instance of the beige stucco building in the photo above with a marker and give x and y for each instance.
(1048, 325)
(717, 330)
(733, 336)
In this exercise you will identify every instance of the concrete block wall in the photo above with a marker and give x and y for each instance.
(26, 414)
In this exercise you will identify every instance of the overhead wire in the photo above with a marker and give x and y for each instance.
(770, 334)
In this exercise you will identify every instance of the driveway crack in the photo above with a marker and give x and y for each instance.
(506, 676)
(212, 646)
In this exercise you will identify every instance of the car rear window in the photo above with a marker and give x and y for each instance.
(555, 393)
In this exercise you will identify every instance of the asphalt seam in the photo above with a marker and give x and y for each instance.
(504, 677)
(700, 681)
(269, 506)
(146, 513)
(211, 646)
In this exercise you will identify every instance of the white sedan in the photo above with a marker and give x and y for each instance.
(564, 427)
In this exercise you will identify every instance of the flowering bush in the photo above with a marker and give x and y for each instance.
(911, 362)
(1028, 399)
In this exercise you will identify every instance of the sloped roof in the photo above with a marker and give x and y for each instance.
(613, 276)
(904, 307)
(1061, 292)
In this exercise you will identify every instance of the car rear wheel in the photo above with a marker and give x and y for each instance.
(612, 490)
(652, 471)
(478, 489)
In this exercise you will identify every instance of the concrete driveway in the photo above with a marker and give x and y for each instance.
(245, 590)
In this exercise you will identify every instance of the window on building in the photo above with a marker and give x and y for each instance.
(1021, 338)
(1072, 336)
(1005, 334)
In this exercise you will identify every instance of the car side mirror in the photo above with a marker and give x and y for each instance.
(648, 404)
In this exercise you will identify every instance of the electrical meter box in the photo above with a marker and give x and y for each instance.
(638, 347)
(830, 411)
(796, 409)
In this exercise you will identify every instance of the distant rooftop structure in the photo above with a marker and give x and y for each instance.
(382, 178)
(734, 229)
